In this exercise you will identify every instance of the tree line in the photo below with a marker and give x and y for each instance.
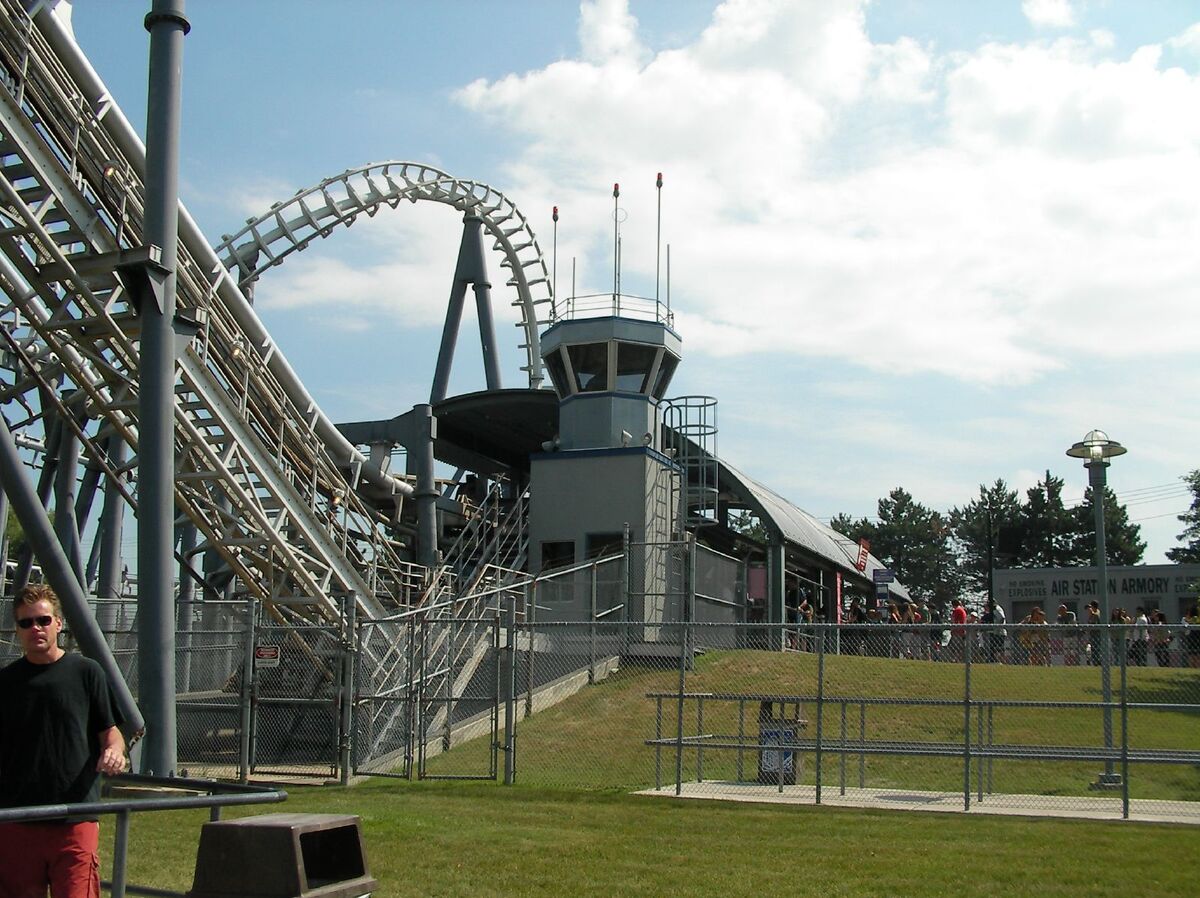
(942, 556)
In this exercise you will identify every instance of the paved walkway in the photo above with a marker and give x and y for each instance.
(1106, 807)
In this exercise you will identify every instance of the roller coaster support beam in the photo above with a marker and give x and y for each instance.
(188, 537)
(54, 428)
(421, 453)
(471, 269)
(167, 25)
(66, 525)
(112, 523)
(57, 570)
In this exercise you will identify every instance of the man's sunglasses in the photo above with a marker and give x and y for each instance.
(42, 620)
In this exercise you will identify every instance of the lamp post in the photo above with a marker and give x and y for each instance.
(1096, 449)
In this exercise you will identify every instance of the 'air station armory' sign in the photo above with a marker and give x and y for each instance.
(1170, 587)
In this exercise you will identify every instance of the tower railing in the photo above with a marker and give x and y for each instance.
(615, 305)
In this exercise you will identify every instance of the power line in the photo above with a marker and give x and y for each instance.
(1167, 514)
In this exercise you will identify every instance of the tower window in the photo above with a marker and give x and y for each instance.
(635, 361)
(590, 363)
(665, 370)
(558, 373)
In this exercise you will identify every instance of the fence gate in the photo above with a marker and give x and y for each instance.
(457, 698)
(296, 691)
(427, 698)
(385, 698)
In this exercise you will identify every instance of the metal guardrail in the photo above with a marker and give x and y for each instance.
(219, 795)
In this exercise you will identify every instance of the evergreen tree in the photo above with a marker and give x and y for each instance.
(1189, 553)
(853, 529)
(748, 524)
(1123, 541)
(1049, 529)
(988, 533)
(914, 542)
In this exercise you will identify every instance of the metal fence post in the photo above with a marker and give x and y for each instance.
(592, 631)
(510, 694)
(346, 718)
(820, 709)
(862, 741)
(412, 709)
(967, 641)
(1125, 733)
(683, 643)
(842, 765)
(247, 696)
(979, 741)
(530, 620)
(120, 855)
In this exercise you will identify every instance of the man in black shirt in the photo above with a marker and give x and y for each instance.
(58, 733)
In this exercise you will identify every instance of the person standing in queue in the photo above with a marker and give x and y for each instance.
(58, 733)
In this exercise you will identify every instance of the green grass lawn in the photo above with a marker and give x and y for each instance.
(595, 740)
(451, 839)
(570, 827)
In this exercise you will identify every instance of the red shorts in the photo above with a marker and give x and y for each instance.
(62, 856)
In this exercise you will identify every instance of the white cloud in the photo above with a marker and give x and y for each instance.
(608, 32)
(1049, 13)
(1030, 212)
(1189, 40)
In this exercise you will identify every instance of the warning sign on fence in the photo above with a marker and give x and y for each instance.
(266, 656)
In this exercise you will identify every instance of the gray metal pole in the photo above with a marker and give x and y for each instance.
(426, 493)
(349, 656)
(247, 696)
(54, 432)
(88, 487)
(510, 693)
(592, 627)
(186, 607)
(1097, 471)
(167, 25)
(57, 569)
(65, 494)
(3, 541)
(112, 523)
(445, 359)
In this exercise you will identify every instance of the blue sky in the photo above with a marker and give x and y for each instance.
(918, 244)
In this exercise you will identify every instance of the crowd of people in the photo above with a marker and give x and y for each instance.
(918, 631)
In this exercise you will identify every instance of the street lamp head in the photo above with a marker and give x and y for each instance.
(1096, 447)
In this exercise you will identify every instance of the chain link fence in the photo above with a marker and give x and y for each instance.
(925, 716)
(1093, 719)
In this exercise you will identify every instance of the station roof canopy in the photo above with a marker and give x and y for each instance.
(799, 528)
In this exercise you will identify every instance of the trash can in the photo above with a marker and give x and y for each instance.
(778, 760)
(282, 856)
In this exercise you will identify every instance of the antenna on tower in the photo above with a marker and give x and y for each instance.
(658, 245)
(554, 271)
(616, 242)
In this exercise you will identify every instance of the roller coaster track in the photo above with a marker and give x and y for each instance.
(314, 213)
(262, 473)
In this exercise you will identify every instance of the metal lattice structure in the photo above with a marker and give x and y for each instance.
(336, 202)
(266, 478)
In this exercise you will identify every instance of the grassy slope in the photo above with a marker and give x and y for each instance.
(595, 740)
(435, 839)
